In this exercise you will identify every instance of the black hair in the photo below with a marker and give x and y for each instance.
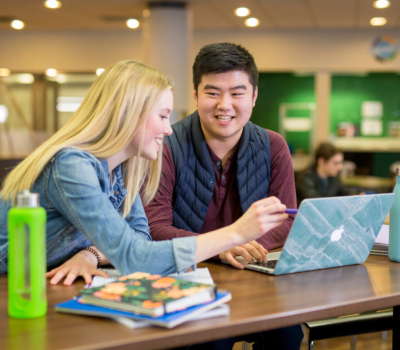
(222, 58)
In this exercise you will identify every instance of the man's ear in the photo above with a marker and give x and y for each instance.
(195, 97)
(255, 95)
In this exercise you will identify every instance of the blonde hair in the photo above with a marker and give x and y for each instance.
(114, 109)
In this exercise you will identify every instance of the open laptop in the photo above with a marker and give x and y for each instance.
(329, 232)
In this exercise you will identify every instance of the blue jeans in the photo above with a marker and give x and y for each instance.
(288, 338)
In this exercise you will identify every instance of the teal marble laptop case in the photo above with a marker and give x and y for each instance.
(330, 232)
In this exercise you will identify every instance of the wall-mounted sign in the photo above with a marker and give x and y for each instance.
(384, 48)
(371, 127)
(372, 109)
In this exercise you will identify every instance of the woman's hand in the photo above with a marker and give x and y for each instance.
(82, 264)
(262, 216)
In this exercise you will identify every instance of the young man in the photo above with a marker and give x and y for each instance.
(321, 180)
(217, 163)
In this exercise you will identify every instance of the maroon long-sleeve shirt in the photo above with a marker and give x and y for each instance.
(225, 205)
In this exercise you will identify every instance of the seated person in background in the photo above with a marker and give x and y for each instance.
(217, 163)
(321, 179)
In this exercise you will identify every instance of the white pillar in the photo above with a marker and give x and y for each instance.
(323, 82)
(167, 34)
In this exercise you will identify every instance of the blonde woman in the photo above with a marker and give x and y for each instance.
(88, 176)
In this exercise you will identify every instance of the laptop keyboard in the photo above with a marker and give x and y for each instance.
(269, 264)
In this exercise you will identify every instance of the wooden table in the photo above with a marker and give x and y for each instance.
(260, 302)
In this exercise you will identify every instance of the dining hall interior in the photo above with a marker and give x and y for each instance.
(329, 72)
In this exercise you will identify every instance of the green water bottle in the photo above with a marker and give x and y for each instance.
(27, 257)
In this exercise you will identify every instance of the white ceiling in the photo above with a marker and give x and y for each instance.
(207, 14)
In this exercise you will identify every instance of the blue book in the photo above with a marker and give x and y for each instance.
(169, 320)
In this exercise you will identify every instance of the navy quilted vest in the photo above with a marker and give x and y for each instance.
(194, 171)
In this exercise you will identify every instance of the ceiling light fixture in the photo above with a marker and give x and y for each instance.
(381, 4)
(242, 12)
(251, 22)
(378, 21)
(4, 72)
(52, 4)
(17, 24)
(51, 72)
(99, 71)
(132, 23)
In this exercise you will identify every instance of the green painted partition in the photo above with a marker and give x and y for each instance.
(277, 88)
(349, 92)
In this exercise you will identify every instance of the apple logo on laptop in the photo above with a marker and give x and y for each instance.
(337, 234)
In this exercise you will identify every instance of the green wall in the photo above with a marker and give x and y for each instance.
(382, 162)
(348, 93)
(277, 88)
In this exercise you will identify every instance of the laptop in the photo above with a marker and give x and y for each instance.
(328, 232)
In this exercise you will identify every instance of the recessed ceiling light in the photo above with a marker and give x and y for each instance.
(146, 13)
(17, 24)
(51, 72)
(251, 22)
(242, 11)
(52, 4)
(4, 72)
(381, 4)
(99, 71)
(132, 23)
(378, 21)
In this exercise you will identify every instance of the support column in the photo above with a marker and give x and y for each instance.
(167, 34)
(323, 83)
(39, 102)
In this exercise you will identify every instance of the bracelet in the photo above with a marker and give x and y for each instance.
(96, 254)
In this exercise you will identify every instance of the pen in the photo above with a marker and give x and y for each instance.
(291, 211)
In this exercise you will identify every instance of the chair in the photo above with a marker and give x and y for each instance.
(349, 168)
(6, 165)
(369, 322)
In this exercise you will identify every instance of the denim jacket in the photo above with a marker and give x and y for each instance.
(83, 209)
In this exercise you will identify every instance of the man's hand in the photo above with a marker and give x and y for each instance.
(82, 264)
(248, 251)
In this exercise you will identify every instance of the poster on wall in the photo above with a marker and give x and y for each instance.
(371, 127)
(372, 109)
(384, 48)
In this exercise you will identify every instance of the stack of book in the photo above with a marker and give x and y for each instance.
(380, 249)
(381, 244)
(141, 299)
